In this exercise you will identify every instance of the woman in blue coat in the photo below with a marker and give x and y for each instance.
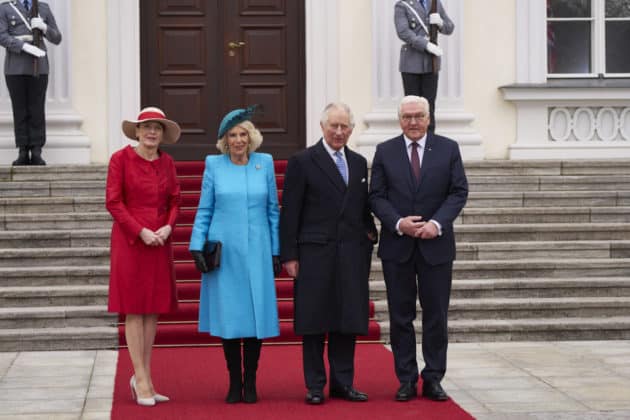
(239, 207)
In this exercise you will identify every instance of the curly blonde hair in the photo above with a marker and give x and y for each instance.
(255, 138)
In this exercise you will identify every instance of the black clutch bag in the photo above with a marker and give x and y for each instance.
(212, 254)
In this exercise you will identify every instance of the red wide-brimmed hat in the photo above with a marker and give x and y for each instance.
(171, 128)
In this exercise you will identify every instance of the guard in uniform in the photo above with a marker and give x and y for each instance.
(412, 19)
(26, 81)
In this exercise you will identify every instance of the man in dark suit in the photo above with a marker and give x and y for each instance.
(326, 240)
(417, 204)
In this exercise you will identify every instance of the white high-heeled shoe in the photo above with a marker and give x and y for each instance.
(160, 398)
(147, 402)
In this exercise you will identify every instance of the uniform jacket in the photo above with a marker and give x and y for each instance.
(324, 226)
(440, 195)
(413, 56)
(239, 207)
(139, 194)
(16, 61)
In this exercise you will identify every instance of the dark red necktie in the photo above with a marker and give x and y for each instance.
(415, 161)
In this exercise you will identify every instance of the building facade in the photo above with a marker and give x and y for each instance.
(515, 82)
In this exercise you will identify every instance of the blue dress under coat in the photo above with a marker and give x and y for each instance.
(239, 207)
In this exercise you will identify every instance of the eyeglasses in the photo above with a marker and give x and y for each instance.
(407, 118)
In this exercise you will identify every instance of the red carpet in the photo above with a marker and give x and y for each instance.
(196, 381)
(180, 328)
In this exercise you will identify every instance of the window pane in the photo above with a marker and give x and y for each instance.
(617, 57)
(568, 8)
(569, 47)
(617, 8)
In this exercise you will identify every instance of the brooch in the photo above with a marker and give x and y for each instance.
(257, 167)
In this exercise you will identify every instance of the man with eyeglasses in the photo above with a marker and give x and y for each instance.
(26, 73)
(418, 188)
(413, 20)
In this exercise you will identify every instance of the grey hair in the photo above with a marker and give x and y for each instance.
(255, 138)
(413, 99)
(337, 105)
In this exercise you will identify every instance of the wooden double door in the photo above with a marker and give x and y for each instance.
(203, 58)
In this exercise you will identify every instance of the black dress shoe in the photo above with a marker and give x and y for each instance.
(315, 397)
(348, 393)
(23, 158)
(433, 391)
(407, 391)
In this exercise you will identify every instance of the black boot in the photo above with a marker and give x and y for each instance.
(36, 156)
(232, 352)
(23, 158)
(251, 354)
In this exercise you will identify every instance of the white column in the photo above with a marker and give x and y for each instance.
(322, 61)
(65, 142)
(451, 118)
(123, 70)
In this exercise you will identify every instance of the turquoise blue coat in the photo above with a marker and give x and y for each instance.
(239, 207)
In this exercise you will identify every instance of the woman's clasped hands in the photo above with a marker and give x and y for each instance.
(157, 238)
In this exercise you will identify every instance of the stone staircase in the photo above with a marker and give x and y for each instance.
(54, 259)
(543, 253)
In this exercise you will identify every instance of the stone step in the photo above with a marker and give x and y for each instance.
(54, 276)
(21, 205)
(544, 287)
(54, 238)
(531, 268)
(38, 257)
(550, 329)
(548, 199)
(549, 183)
(542, 249)
(520, 215)
(93, 188)
(547, 167)
(24, 201)
(56, 221)
(524, 308)
(542, 232)
(58, 173)
(68, 338)
(37, 296)
(57, 317)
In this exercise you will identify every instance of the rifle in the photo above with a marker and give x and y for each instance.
(37, 36)
(433, 35)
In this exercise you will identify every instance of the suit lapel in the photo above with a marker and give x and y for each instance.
(326, 164)
(426, 158)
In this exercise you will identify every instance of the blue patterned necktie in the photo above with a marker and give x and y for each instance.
(422, 2)
(27, 5)
(341, 165)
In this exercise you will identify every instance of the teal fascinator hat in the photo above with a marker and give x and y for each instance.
(235, 117)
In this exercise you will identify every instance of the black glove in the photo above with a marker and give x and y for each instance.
(200, 262)
(277, 266)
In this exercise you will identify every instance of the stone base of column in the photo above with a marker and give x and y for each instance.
(383, 125)
(65, 142)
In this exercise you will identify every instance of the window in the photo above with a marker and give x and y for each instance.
(588, 38)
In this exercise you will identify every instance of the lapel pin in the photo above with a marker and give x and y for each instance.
(257, 167)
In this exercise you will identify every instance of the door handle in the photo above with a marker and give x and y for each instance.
(232, 44)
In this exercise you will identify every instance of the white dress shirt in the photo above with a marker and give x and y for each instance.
(332, 152)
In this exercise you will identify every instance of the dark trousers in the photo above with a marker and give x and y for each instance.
(432, 285)
(28, 99)
(340, 358)
(425, 85)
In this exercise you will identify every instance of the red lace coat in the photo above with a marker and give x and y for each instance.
(141, 193)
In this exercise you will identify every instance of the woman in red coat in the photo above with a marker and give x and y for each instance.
(143, 198)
